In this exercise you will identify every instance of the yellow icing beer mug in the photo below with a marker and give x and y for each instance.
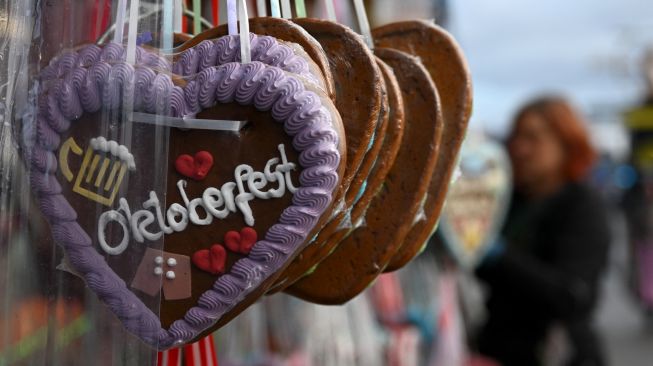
(103, 168)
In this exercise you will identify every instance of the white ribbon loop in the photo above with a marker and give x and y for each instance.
(363, 22)
(245, 47)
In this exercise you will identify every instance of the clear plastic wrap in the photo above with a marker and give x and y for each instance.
(67, 162)
(103, 146)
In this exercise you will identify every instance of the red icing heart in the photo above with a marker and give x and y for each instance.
(211, 260)
(196, 167)
(240, 242)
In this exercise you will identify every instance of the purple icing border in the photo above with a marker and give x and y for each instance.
(93, 78)
(225, 49)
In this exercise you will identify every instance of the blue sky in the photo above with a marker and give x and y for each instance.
(589, 50)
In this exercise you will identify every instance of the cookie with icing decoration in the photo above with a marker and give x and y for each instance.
(266, 49)
(359, 84)
(445, 62)
(362, 255)
(207, 238)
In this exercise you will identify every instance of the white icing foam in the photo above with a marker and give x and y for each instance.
(120, 151)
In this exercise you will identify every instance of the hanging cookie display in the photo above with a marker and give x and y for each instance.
(230, 216)
(361, 256)
(187, 178)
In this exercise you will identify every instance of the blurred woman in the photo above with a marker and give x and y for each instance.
(545, 271)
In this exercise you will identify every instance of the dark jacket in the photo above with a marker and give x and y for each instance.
(549, 273)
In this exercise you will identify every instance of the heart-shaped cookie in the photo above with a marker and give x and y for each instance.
(277, 176)
(359, 97)
(446, 64)
(361, 256)
(212, 260)
(383, 159)
(195, 167)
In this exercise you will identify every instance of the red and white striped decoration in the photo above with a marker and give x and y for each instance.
(200, 353)
(171, 357)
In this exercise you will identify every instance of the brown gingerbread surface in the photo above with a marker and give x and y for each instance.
(343, 222)
(359, 98)
(361, 256)
(385, 158)
(284, 30)
(445, 62)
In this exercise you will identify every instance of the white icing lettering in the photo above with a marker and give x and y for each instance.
(286, 167)
(211, 204)
(154, 203)
(231, 197)
(104, 220)
(141, 228)
(177, 210)
(228, 195)
(194, 217)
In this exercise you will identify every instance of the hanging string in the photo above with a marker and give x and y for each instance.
(330, 10)
(197, 17)
(132, 34)
(232, 17)
(178, 15)
(245, 47)
(300, 8)
(261, 9)
(168, 19)
(274, 8)
(286, 10)
(120, 21)
(215, 7)
(363, 23)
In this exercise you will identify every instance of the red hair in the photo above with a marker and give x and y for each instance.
(568, 126)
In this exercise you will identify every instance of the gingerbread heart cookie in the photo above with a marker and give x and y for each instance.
(361, 256)
(360, 99)
(444, 60)
(208, 237)
(382, 159)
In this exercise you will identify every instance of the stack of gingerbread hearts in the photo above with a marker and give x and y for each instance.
(430, 105)
(185, 185)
